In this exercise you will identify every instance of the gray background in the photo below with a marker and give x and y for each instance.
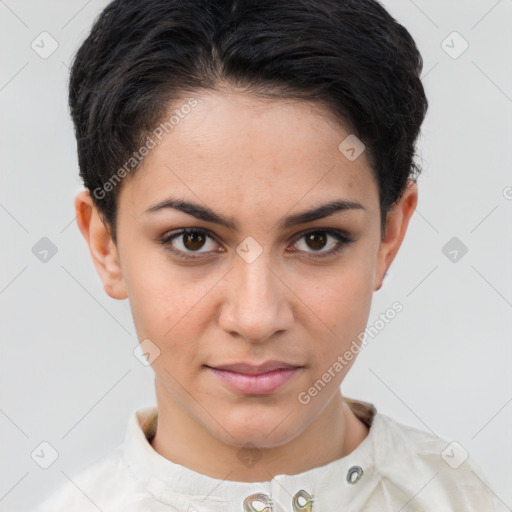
(67, 372)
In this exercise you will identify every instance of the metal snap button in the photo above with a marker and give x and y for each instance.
(258, 502)
(302, 502)
(354, 474)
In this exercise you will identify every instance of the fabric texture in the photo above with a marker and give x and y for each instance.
(396, 468)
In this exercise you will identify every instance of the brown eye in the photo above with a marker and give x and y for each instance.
(319, 239)
(316, 240)
(188, 243)
(193, 241)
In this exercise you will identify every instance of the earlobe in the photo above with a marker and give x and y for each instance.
(103, 250)
(396, 226)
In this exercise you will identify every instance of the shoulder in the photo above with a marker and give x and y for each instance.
(427, 470)
(103, 484)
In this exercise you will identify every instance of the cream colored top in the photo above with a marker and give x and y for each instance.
(396, 468)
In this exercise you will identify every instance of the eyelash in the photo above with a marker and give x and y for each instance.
(343, 240)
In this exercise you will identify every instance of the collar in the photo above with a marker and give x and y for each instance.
(180, 486)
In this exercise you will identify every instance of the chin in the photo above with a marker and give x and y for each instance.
(269, 432)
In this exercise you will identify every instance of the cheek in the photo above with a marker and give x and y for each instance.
(341, 299)
(343, 306)
(165, 301)
(167, 314)
(171, 319)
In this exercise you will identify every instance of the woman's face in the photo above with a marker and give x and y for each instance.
(270, 283)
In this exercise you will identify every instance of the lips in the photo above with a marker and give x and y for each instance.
(257, 383)
(249, 369)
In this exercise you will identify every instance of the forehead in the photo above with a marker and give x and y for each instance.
(235, 150)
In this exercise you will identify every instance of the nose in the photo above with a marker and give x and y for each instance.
(258, 302)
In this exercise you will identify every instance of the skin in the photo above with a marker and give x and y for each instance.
(255, 161)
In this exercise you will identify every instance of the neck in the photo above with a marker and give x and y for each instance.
(335, 433)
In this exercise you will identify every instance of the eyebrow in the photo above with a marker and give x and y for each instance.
(206, 214)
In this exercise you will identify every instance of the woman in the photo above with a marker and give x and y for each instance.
(249, 178)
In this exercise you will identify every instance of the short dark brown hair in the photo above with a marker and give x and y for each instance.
(142, 55)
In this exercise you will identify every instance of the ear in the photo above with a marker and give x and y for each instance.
(396, 225)
(103, 250)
